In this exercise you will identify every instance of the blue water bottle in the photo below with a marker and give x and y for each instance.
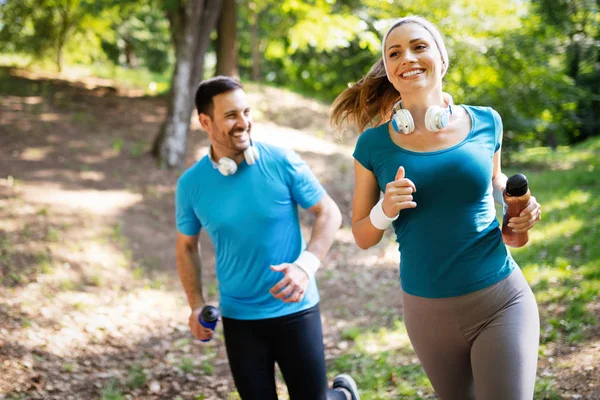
(208, 318)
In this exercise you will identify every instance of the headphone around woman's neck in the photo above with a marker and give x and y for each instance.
(436, 118)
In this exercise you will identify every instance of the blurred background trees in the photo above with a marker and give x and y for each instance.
(537, 61)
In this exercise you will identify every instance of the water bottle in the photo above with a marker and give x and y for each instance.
(516, 196)
(208, 318)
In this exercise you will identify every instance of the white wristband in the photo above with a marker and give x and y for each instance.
(308, 262)
(378, 217)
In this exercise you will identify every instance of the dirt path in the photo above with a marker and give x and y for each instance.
(90, 302)
(89, 289)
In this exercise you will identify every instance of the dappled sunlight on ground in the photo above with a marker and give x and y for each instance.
(295, 139)
(573, 198)
(385, 340)
(556, 230)
(93, 319)
(35, 153)
(534, 275)
(100, 202)
(50, 117)
(581, 364)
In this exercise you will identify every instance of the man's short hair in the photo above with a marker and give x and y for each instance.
(211, 88)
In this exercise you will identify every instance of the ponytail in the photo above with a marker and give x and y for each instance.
(373, 95)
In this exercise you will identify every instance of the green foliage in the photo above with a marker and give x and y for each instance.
(49, 29)
(534, 62)
(513, 56)
(577, 25)
(132, 33)
(141, 38)
(516, 77)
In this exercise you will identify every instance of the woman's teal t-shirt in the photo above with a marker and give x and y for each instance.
(451, 243)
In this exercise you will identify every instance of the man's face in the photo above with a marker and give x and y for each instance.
(229, 128)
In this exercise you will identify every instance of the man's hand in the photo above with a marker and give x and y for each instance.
(292, 287)
(197, 329)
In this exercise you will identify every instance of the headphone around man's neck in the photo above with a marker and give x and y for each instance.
(227, 166)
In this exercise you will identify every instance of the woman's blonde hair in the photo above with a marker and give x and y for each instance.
(374, 95)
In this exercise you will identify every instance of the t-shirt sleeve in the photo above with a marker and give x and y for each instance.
(185, 218)
(305, 188)
(497, 130)
(361, 151)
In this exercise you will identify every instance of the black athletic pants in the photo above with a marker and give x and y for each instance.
(294, 341)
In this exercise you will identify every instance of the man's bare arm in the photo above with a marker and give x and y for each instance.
(190, 269)
(292, 287)
(190, 273)
(329, 220)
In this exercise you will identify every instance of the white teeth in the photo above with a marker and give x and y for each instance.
(411, 73)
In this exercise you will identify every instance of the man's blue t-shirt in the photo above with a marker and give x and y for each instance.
(450, 244)
(252, 220)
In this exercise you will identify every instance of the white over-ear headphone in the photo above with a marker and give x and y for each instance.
(436, 118)
(227, 166)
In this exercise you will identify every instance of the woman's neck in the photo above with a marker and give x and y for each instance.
(423, 100)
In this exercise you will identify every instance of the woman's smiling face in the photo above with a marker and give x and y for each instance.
(412, 58)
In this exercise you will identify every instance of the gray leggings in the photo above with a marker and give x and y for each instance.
(482, 345)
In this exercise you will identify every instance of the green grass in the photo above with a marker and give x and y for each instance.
(383, 364)
(137, 377)
(68, 367)
(186, 364)
(385, 376)
(545, 389)
(208, 364)
(139, 78)
(562, 260)
(112, 392)
(52, 235)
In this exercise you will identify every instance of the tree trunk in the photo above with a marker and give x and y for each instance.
(66, 22)
(226, 40)
(191, 22)
(254, 45)
(59, 59)
(574, 58)
(130, 58)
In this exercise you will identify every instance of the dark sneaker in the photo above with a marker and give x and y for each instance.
(345, 381)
